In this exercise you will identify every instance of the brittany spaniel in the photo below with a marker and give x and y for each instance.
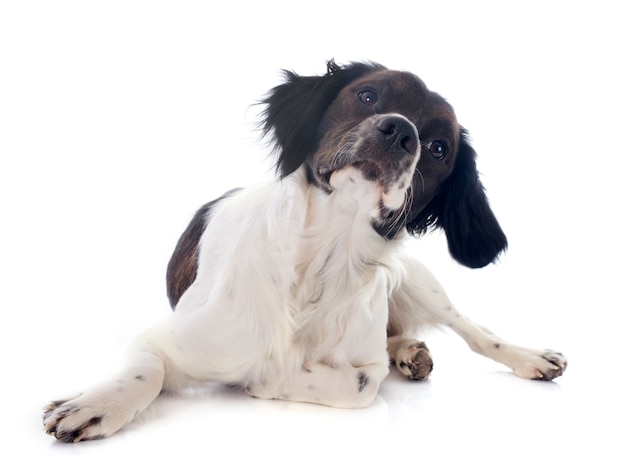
(300, 289)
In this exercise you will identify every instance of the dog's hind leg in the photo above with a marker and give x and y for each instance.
(342, 387)
(410, 356)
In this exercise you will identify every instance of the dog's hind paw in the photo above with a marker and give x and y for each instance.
(413, 360)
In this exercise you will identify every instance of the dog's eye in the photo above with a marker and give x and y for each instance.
(368, 97)
(438, 149)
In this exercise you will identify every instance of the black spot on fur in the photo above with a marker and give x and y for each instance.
(497, 345)
(140, 378)
(363, 381)
(93, 421)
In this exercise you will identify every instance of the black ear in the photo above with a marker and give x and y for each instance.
(295, 108)
(462, 210)
(474, 236)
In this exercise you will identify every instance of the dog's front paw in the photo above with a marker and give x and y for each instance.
(70, 421)
(85, 417)
(413, 360)
(542, 365)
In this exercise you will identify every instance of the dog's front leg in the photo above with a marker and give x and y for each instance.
(104, 409)
(342, 387)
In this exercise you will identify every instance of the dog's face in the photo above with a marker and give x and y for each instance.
(383, 123)
(401, 136)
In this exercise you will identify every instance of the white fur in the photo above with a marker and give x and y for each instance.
(296, 305)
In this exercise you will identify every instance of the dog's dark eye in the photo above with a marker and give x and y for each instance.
(438, 149)
(368, 97)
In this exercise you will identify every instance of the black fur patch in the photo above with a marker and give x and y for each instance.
(183, 265)
(363, 381)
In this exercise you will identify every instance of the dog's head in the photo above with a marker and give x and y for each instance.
(401, 136)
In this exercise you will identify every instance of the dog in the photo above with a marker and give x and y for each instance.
(300, 289)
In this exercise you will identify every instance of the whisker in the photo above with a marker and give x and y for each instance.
(417, 170)
(406, 206)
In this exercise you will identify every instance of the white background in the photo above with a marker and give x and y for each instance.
(119, 118)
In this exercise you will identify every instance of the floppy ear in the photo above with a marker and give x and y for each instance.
(462, 210)
(295, 108)
(474, 235)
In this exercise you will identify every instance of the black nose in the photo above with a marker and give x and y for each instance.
(398, 134)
